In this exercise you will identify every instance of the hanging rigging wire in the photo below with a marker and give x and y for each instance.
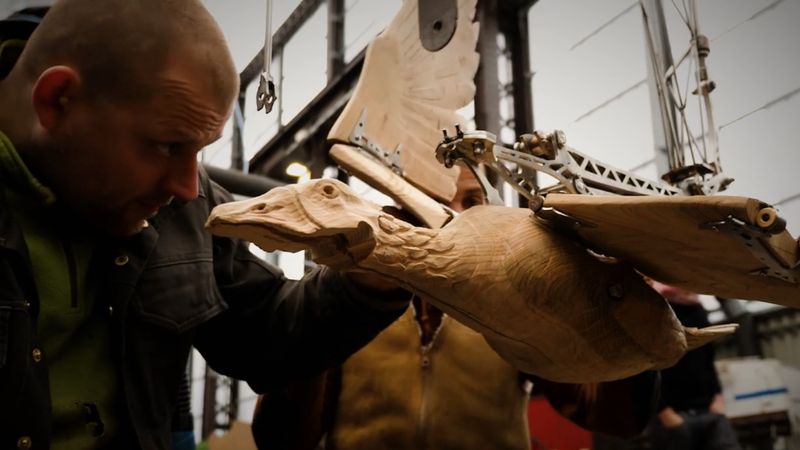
(265, 96)
(702, 172)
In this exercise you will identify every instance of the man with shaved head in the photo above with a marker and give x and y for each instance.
(107, 277)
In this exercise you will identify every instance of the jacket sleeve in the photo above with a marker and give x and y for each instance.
(275, 329)
(297, 416)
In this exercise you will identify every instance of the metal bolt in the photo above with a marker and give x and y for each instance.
(616, 291)
(536, 203)
(24, 443)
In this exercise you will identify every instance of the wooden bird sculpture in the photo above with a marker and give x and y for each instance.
(541, 300)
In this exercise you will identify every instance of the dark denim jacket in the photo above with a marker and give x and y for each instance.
(171, 287)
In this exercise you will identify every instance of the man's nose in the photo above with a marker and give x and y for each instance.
(182, 180)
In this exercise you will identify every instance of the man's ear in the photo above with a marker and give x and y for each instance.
(52, 93)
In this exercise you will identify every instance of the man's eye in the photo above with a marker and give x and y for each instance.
(166, 149)
(473, 201)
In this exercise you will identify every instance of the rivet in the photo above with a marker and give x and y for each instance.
(24, 443)
(616, 291)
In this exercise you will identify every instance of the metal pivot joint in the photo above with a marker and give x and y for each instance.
(437, 23)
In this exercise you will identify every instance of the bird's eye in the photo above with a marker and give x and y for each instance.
(329, 191)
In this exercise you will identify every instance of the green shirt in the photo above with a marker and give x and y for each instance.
(73, 331)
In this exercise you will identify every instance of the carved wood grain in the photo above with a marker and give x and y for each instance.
(663, 238)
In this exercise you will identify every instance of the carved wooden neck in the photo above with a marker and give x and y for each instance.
(411, 255)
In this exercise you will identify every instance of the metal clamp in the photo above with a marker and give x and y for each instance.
(752, 237)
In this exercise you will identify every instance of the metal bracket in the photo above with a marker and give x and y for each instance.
(437, 23)
(752, 237)
(492, 196)
(451, 150)
(361, 140)
(560, 220)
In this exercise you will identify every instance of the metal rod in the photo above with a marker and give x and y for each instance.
(268, 40)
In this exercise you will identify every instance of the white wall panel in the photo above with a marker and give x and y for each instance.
(363, 20)
(589, 69)
(305, 64)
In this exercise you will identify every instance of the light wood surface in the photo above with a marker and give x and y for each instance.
(381, 178)
(410, 94)
(663, 237)
(541, 300)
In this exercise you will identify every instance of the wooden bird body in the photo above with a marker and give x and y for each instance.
(541, 300)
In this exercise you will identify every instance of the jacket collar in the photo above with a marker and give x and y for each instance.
(16, 174)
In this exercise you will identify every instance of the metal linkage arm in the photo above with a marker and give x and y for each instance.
(574, 171)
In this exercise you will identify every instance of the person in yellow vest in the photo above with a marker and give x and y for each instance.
(429, 382)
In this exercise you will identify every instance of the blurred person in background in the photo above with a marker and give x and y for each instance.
(691, 413)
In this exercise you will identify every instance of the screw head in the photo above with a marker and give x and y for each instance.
(616, 291)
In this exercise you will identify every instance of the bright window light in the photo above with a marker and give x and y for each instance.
(299, 171)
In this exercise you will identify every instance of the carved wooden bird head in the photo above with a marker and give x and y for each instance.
(323, 215)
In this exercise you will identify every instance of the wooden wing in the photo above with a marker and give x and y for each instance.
(407, 94)
(719, 245)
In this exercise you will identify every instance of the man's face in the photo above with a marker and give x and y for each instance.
(117, 164)
(468, 192)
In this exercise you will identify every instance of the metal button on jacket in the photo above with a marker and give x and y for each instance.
(24, 443)
(37, 355)
(121, 260)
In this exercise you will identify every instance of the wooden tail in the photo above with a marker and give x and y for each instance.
(695, 337)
